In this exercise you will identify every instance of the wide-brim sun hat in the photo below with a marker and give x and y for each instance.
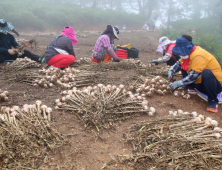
(115, 33)
(110, 30)
(5, 27)
(183, 46)
(162, 42)
(117, 30)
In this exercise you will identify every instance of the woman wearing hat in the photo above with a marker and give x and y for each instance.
(104, 48)
(200, 70)
(60, 53)
(165, 47)
(7, 41)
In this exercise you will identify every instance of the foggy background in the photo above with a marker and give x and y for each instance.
(96, 14)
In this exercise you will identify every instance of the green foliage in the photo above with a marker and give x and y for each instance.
(37, 15)
(206, 25)
(210, 42)
(171, 34)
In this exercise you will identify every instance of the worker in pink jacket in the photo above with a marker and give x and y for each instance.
(60, 53)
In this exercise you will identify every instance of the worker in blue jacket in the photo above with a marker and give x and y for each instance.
(7, 41)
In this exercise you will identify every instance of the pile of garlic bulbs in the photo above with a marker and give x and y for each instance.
(157, 85)
(21, 63)
(65, 79)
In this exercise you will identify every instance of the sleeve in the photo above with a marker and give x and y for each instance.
(165, 58)
(112, 53)
(3, 50)
(70, 48)
(176, 67)
(13, 42)
(190, 78)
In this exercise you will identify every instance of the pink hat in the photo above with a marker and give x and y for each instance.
(70, 33)
(162, 42)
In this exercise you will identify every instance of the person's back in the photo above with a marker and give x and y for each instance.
(200, 60)
(102, 42)
(62, 42)
(60, 53)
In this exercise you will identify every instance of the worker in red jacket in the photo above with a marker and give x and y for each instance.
(165, 47)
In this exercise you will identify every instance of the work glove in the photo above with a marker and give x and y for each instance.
(155, 62)
(12, 51)
(170, 75)
(117, 60)
(175, 85)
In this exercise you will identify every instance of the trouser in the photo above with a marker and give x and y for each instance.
(209, 86)
(101, 55)
(27, 53)
(61, 60)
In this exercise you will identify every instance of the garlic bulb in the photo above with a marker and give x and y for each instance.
(180, 112)
(201, 117)
(214, 123)
(194, 114)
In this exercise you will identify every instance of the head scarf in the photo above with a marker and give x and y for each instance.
(162, 42)
(110, 31)
(70, 33)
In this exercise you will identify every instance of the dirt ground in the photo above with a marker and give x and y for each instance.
(87, 150)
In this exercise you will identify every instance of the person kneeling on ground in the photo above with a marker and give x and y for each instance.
(7, 41)
(104, 48)
(165, 47)
(60, 53)
(200, 70)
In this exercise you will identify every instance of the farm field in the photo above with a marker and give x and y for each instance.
(93, 148)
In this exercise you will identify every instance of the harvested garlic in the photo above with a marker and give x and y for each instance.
(194, 114)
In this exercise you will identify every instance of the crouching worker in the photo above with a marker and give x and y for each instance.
(60, 53)
(7, 41)
(104, 48)
(165, 47)
(200, 70)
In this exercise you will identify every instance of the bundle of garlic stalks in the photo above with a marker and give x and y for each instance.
(19, 64)
(3, 96)
(27, 135)
(101, 106)
(182, 140)
(67, 78)
(125, 64)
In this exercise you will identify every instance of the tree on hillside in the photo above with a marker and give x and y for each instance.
(220, 22)
(145, 7)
